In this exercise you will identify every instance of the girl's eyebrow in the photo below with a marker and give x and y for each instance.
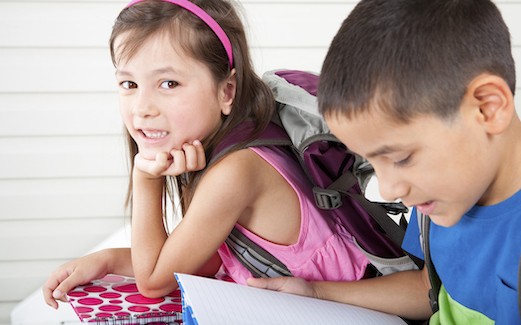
(153, 72)
(122, 73)
(165, 70)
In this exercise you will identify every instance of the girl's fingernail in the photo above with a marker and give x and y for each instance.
(57, 294)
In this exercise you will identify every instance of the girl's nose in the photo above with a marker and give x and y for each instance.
(145, 106)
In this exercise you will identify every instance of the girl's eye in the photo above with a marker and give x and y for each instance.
(128, 84)
(169, 84)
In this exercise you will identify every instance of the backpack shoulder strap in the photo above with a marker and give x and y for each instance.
(238, 138)
(424, 223)
(256, 259)
(378, 211)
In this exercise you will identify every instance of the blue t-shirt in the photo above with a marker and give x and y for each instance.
(477, 261)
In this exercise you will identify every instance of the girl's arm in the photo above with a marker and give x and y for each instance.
(223, 193)
(84, 270)
(402, 293)
(118, 260)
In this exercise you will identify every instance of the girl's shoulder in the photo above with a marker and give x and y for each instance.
(242, 162)
(228, 188)
(241, 170)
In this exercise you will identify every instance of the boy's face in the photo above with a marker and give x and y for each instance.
(440, 167)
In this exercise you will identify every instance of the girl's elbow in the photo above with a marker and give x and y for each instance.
(151, 290)
(150, 293)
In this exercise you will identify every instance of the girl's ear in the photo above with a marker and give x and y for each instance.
(227, 92)
(495, 102)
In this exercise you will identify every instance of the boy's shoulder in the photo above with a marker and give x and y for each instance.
(481, 254)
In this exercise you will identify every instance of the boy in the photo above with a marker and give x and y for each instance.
(424, 90)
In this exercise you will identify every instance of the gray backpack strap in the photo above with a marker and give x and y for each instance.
(378, 211)
(272, 135)
(257, 260)
(424, 222)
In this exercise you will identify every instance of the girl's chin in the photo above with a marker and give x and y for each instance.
(148, 154)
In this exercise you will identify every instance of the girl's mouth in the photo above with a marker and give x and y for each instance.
(154, 134)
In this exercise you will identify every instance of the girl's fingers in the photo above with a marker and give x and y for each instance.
(48, 289)
(178, 165)
(69, 283)
(190, 158)
(54, 288)
(155, 167)
(194, 155)
(201, 157)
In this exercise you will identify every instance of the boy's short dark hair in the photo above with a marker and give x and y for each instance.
(412, 57)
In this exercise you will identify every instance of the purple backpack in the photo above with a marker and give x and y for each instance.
(338, 175)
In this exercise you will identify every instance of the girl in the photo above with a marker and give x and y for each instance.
(186, 81)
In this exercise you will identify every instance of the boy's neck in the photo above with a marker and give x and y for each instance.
(508, 178)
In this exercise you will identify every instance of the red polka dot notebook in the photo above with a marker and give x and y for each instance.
(115, 299)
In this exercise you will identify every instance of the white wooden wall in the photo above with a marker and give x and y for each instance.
(62, 157)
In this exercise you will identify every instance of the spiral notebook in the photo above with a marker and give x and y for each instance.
(215, 302)
(115, 300)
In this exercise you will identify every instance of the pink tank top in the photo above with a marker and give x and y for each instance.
(324, 249)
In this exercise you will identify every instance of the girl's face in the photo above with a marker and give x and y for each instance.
(168, 98)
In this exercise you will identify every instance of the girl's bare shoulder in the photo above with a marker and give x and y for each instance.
(241, 169)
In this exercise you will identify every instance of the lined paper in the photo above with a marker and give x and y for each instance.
(218, 302)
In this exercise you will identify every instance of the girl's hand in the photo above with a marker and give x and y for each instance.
(81, 271)
(176, 162)
(297, 286)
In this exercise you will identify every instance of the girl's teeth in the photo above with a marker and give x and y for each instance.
(155, 135)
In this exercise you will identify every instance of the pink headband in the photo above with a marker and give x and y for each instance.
(196, 10)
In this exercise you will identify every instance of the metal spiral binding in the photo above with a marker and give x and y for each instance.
(158, 318)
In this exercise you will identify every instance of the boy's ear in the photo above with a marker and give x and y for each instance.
(495, 101)
(228, 91)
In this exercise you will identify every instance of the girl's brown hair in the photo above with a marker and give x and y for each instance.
(253, 100)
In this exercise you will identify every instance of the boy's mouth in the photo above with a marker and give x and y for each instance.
(426, 208)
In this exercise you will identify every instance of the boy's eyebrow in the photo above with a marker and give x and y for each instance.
(383, 150)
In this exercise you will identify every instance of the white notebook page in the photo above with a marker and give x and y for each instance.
(216, 302)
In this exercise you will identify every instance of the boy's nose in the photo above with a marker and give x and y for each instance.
(391, 186)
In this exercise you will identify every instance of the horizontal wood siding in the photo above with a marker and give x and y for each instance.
(63, 169)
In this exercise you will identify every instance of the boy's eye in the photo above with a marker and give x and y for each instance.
(404, 162)
(169, 84)
(128, 85)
